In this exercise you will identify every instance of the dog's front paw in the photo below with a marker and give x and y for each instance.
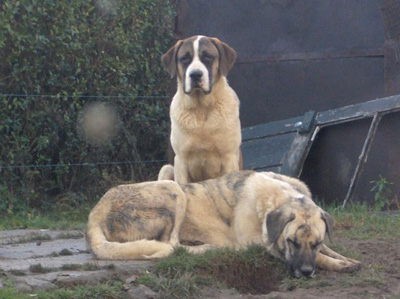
(159, 255)
(199, 248)
(350, 265)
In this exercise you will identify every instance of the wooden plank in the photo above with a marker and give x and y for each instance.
(308, 122)
(271, 129)
(276, 169)
(358, 111)
(294, 159)
(302, 123)
(266, 152)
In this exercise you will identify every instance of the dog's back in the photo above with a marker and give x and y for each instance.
(136, 221)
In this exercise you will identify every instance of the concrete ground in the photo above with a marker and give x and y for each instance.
(36, 259)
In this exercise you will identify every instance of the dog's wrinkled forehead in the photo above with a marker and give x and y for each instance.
(196, 46)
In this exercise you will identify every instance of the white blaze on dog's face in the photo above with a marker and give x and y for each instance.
(199, 62)
(197, 65)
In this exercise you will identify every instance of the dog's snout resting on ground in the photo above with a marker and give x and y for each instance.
(204, 112)
(147, 220)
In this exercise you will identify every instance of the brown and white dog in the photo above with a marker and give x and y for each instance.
(205, 125)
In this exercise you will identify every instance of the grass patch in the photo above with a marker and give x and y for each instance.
(85, 267)
(68, 218)
(9, 293)
(70, 235)
(65, 252)
(358, 221)
(17, 272)
(38, 268)
(370, 276)
(109, 290)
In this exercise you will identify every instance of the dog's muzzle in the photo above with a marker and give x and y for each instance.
(306, 271)
(197, 80)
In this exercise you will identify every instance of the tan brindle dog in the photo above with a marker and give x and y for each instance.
(205, 125)
(147, 220)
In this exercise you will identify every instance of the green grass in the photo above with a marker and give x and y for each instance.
(358, 221)
(109, 290)
(39, 269)
(68, 218)
(9, 293)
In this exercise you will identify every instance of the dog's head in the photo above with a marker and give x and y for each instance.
(298, 235)
(199, 62)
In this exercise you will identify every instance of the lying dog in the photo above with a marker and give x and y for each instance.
(147, 220)
(205, 126)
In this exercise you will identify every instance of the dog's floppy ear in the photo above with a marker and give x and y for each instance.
(328, 223)
(276, 222)
(227, 56)
(169, 59)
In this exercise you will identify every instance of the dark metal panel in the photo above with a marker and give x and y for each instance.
(294, 56)
(256, 27)
(392, 69)
(274, 91)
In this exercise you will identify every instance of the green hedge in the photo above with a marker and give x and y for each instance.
(80, 52)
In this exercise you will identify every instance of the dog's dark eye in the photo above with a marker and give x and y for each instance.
(207, 58)
(185, 59)
(293, 243)
(315, 245)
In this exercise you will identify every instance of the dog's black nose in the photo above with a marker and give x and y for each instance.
(196, 74)
(307, 271)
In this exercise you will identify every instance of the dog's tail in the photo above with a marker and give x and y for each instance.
(140, 249)
(166, 173)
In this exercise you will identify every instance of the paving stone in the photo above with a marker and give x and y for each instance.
(20, 256)
(35, 282)
(86, 277)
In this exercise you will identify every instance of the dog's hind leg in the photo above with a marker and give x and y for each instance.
(166, 173)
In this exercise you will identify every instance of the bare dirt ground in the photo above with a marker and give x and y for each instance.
(65, 260)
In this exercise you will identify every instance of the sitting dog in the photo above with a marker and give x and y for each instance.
(147, 220)
(205, 125)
